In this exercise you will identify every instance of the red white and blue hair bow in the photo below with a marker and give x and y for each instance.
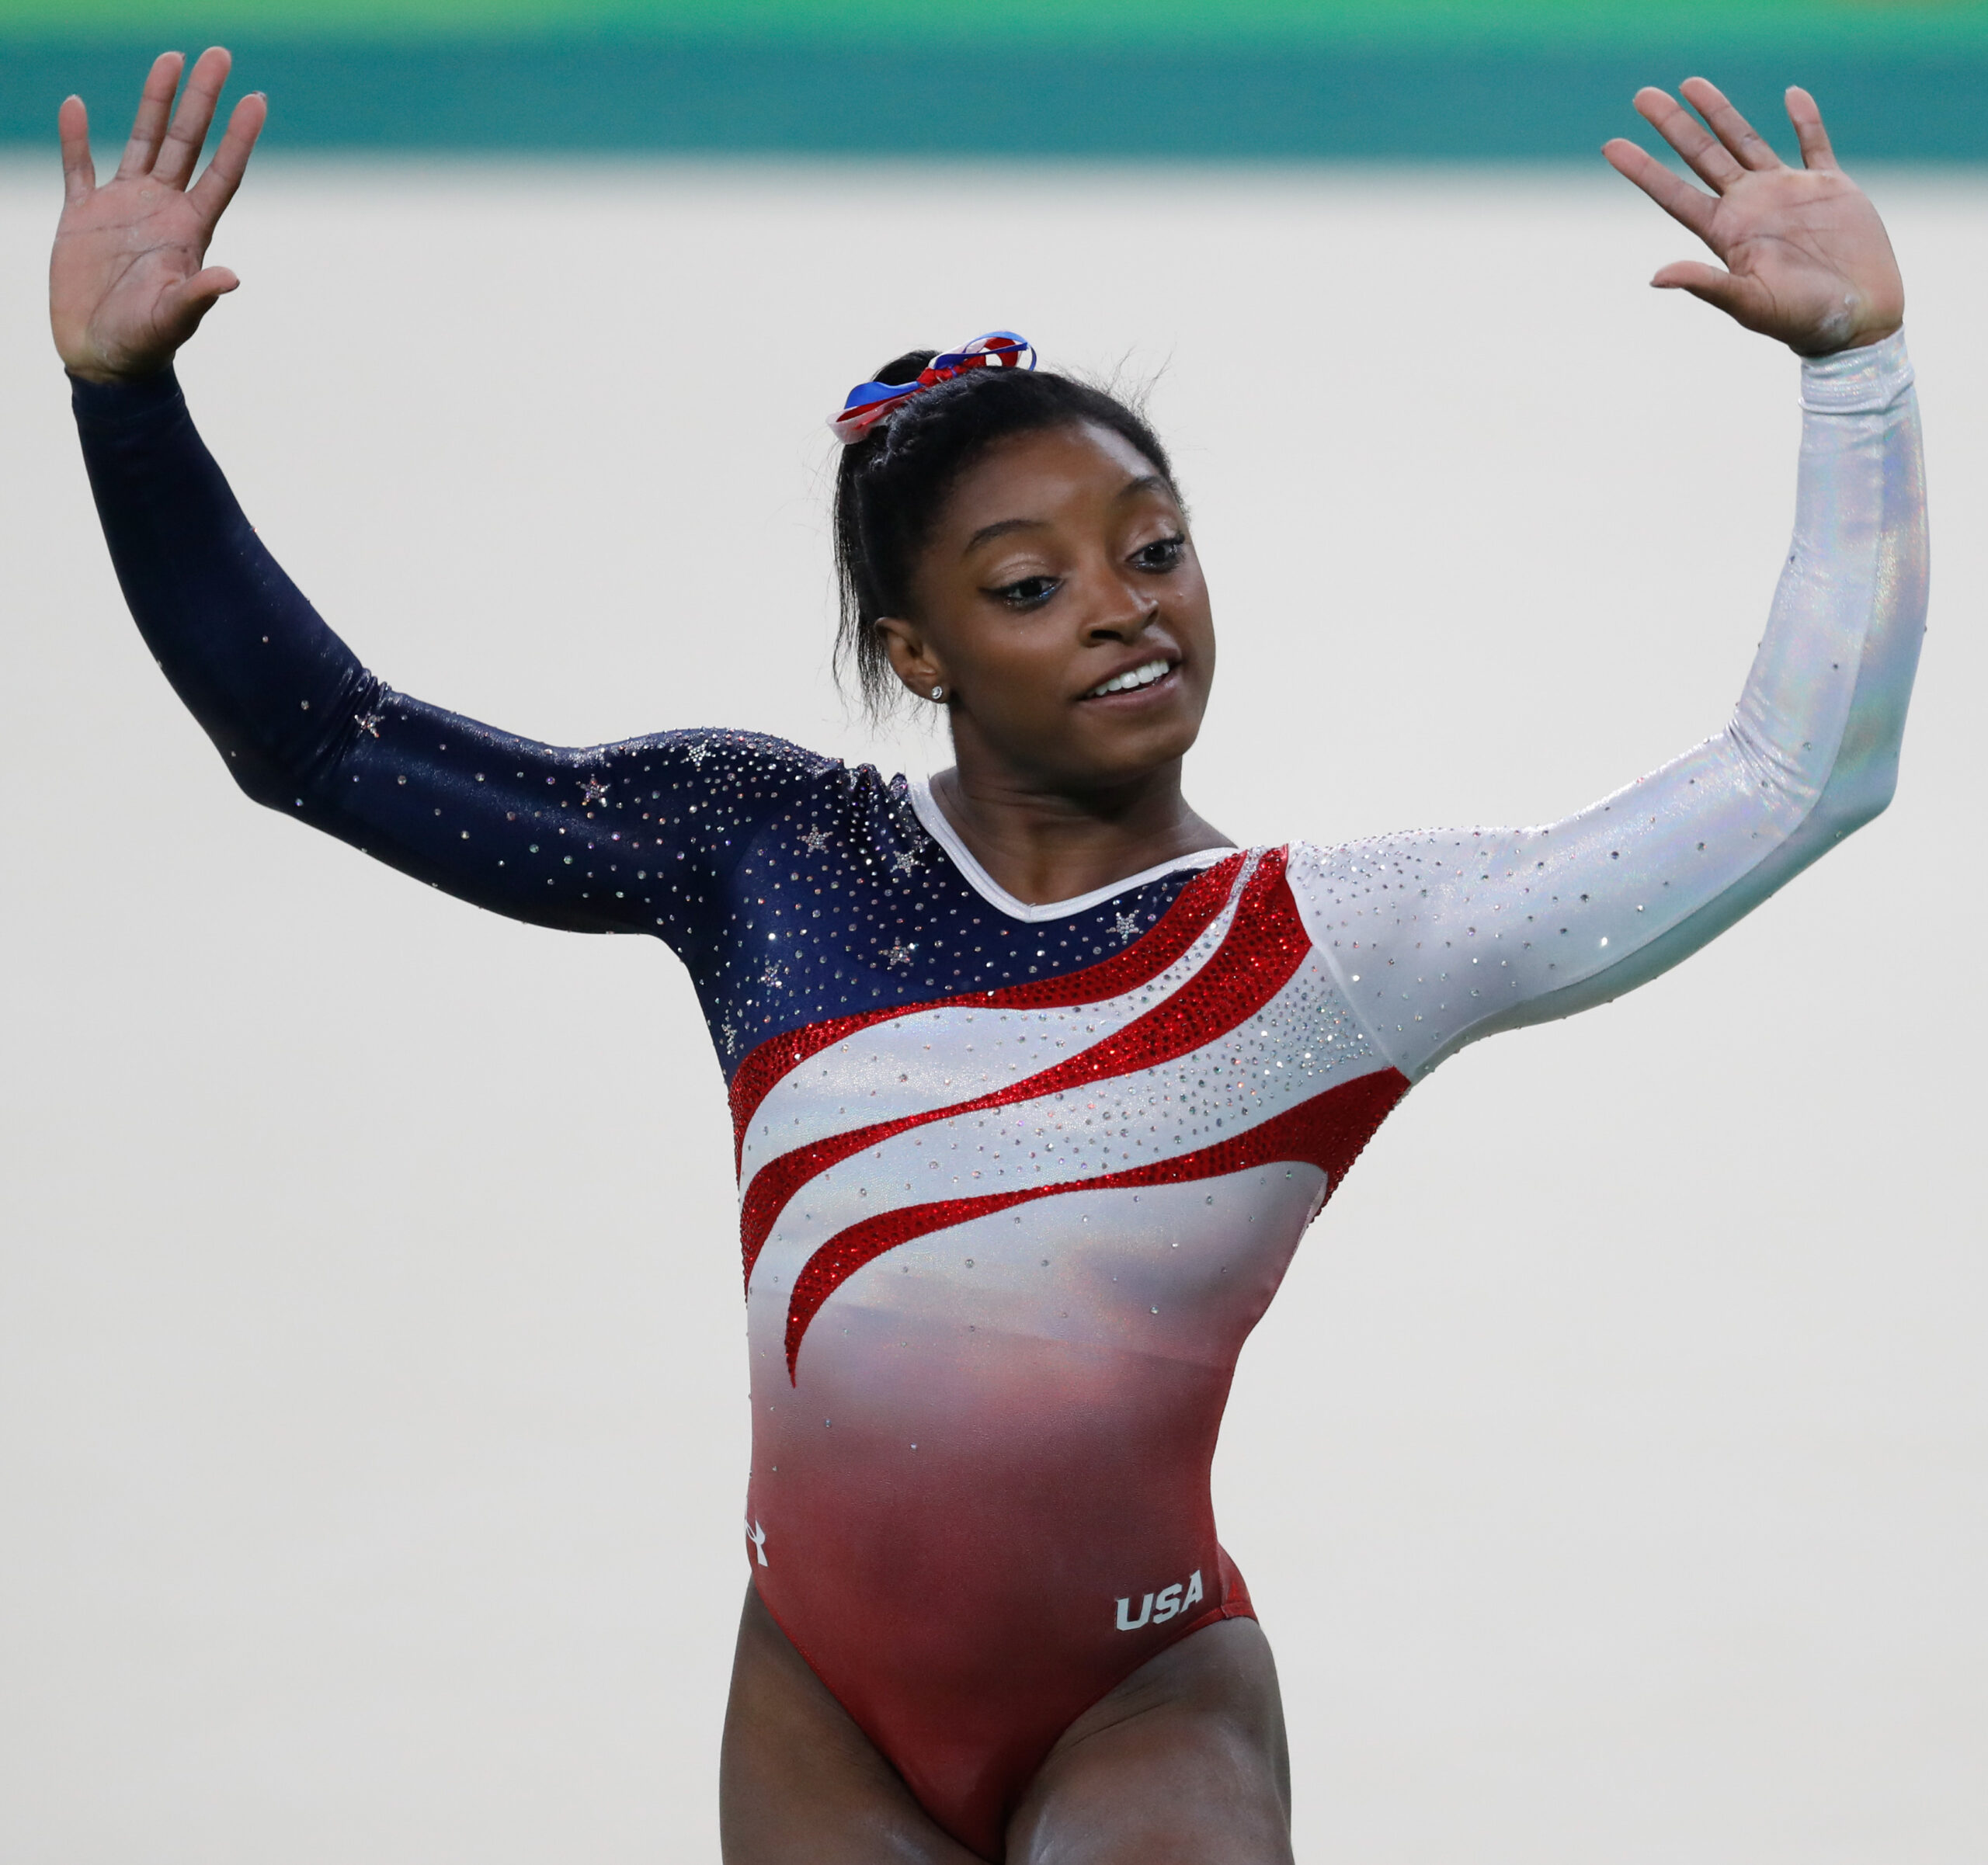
(869, 402)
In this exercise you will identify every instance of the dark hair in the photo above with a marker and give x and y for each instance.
(891, 485)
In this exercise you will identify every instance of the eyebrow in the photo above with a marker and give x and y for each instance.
(1000, 529)
(1146, 482)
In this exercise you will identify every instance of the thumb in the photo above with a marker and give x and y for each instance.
(213, 282)
(1706, 282)
(182, 306)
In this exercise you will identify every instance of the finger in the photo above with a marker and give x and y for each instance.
(1670, 191)
(1708, 158)
(181, 150)
(212, 192)
(154, 110)
(1750, 149)
(72, 125)
(1808, 131)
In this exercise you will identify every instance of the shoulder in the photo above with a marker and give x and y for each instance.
(1376, 862)
(722, 794)
(715, 758)
(1408, 855)
(705, 777)
(1381, 881)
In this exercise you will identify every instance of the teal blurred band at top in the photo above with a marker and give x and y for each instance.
(1266, 80)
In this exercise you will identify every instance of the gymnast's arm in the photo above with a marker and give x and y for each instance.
(633, 835)
(624, 836)
(1442, 937)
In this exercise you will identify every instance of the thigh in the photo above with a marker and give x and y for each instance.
(799, 1783)
(1185, 1763)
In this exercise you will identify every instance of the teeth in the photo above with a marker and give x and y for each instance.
(1125, 682)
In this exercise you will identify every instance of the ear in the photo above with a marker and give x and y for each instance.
(913, 659)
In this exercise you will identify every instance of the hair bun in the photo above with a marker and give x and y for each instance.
(906, 368)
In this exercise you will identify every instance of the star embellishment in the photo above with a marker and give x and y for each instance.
(593, 790)
(728, 1036)
(899, 954)
(905, 862)
(771, 975)
(816, 840)
(699, 752)
(1126, 926)
(368, 721)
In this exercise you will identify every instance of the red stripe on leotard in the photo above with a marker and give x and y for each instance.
(1327, 1131)
(1241, 977)
(1199, 903)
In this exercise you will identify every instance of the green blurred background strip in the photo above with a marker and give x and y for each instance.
(1261, 79)
(1128, 21)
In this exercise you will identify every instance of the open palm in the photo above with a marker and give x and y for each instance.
(1806, 258)
(128, 282)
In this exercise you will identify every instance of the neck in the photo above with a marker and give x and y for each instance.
(1044, 845)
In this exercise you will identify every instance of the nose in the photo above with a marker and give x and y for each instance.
(1125, 611)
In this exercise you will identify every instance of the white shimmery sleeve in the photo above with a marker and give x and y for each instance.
(1439, 937)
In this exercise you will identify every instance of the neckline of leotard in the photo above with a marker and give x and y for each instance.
(933, 819)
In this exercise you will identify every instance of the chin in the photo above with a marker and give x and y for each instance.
(1122, 758)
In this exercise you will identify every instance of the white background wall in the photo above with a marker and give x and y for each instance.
(1613, 1474)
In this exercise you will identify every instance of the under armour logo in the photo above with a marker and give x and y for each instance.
(757, 1536)
(1158, 1608)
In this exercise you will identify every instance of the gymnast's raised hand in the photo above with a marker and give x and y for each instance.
(127, 281)
(1806, 258)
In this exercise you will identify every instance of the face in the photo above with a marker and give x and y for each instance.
(1060, 566)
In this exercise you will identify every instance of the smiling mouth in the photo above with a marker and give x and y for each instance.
(1148, 673)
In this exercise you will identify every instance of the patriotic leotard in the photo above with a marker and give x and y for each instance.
(1017, 1181)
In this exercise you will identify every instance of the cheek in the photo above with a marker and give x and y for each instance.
(1191, 603)
(1018, 669)
(1187, 614)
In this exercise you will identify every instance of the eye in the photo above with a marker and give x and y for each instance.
(1030, 592)
(1162, 554)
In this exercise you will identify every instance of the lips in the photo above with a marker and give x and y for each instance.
(1133, 679)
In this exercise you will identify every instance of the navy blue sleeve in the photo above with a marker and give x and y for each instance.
(637, 836)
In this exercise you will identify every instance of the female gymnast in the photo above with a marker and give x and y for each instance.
(1036, 1078)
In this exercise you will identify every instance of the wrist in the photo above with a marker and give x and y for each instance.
(104, 378)
(100, 401)
(1863, 378)
(104, 374)
(1863, 339)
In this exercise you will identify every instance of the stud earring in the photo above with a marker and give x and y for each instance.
(938, 693)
